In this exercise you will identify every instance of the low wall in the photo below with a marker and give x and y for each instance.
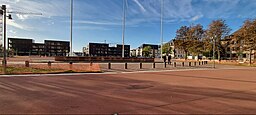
(103, 59)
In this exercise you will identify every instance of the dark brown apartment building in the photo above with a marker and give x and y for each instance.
(56, 48)
(20, 46)
(27, 47)
(103, 49)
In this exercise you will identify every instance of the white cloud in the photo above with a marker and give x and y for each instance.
(109, 12)
(12, 31)
(97, 22)
(196, 17)
(13, 24)
(48, 8)
(91, 28)
(140, 5)
(19, 26)
(22, 17)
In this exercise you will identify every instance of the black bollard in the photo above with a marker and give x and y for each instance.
(49, 64)
(140, 65)
(183, 64)
(154, 65)
(26, 63)
(126, 66)
(109, 65)
(189, 64)
(174, 64)
(70, 65)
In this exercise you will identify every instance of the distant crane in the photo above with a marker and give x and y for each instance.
(24, 13)
(21, 13)
(3, 12)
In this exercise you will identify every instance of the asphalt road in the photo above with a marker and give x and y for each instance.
(177, 92)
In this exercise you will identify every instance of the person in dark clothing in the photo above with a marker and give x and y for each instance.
(164, 57)
(169, 59)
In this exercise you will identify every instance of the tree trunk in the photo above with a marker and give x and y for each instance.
(219, 54)
(186, 55)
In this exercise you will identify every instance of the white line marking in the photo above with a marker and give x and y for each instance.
(112, 73)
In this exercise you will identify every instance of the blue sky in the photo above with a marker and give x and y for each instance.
(100, 20)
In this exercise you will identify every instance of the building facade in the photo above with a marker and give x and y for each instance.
(98, 49)
(133, 53)
(27, 47)
(20, 46)
(104, 50)
(176, 52)
(38, 49)
(155, 50)
(56, 48)
(233, 51)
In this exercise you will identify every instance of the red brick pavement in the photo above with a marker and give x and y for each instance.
(181, 92)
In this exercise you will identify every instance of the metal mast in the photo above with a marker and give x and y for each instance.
(71, 28)
(124, 24)
(161, 38)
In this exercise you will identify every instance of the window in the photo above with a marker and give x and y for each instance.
(244, 55)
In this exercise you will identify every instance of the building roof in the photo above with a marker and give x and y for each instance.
(20, 38)
(99, 43)
(55, 41)
(152, 45)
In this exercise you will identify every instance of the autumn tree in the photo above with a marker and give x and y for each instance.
(196, 36)
(217, 31)
(146, 51)
(247, 36)
(167, 49)
(190, 39)
(181, 40)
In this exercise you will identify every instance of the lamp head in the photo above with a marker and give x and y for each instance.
(3, 7)
(10, 16)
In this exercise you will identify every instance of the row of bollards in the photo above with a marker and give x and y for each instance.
(27, 64)
(165, 64)
(140, 66)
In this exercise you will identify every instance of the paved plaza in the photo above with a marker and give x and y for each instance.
(175, 92)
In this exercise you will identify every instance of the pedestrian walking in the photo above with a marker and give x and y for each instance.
(164, 57)
(169, 59)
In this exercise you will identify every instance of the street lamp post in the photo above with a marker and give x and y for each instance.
(4, 13)
(4, 52)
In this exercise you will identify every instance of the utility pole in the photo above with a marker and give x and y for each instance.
(124, 24)
(161, 38)
(71, 28)
(3, 11)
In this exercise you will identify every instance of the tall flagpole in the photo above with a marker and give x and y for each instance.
(71, 28)
(161, 38)
(124, 19)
